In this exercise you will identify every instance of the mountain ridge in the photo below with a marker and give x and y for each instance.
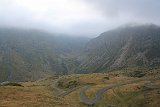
(122, 47)
(32, 54)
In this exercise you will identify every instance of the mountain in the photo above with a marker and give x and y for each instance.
(31, 54)
(128, 46)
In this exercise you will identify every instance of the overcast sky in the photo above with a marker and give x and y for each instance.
(77, 17)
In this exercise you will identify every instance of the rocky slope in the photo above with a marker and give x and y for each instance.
(125, 46)
(31, 54)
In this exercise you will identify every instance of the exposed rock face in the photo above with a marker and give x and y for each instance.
(128, 46)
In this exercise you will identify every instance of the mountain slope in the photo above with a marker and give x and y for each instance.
(31, 54)
(122, 47)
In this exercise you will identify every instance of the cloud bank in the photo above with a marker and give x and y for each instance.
(77, 17)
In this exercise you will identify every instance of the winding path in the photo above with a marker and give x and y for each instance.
(100, 92)
(60, 92)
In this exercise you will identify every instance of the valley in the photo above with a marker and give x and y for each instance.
(79, 53)
(119, 68)
(33, 54)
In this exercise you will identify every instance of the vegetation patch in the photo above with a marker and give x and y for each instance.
(68, 84)
(11, 84)
(138, 74)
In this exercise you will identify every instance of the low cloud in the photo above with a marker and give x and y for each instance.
(77, 17)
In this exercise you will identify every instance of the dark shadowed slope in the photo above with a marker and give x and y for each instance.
(31, 54)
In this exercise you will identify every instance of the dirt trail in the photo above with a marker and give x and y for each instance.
(59, 92)
(100, 92)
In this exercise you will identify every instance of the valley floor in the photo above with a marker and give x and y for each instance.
(120, 88)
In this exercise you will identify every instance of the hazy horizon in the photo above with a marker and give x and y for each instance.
(77, 17)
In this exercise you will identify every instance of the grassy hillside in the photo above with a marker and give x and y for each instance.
(144, 91)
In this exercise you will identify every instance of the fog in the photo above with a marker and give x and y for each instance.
(77, 17)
